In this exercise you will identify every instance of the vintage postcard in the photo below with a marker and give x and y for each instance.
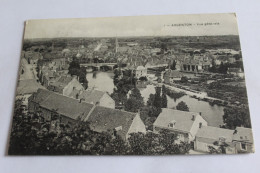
(141, 85)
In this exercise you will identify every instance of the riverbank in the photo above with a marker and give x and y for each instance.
(195, 94)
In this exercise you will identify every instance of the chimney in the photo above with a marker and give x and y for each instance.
(193, 117)
(80, 92)
(81, 100)
(200, 113)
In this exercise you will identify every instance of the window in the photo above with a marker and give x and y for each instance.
(222, 139)
(172, 124)
(243, 146)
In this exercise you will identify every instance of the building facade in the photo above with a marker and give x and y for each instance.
(184, 124)
(95, 97)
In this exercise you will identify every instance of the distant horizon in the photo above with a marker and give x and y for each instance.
(134, 26)
(130, 37)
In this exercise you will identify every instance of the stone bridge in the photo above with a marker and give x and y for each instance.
(97, 66)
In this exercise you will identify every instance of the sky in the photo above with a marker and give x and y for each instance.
(134, 26)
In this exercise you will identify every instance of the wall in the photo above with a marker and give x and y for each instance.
(136, 126)
(195, 127)
(107, 101)
(202, 144)
(184, 137)
(249, 147)
(69, 88)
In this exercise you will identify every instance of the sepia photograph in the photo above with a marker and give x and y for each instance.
(137, 85)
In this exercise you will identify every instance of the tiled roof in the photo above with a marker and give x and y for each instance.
(89, 96)
(105, 119)
(215, 133)
(40, 95)
(62, 81)
(243, 134)
(100, 118)
(183, 119)
(63, 105)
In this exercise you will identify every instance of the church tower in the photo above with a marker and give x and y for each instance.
(116, 44)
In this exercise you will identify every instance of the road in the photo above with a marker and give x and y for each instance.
(27, 71)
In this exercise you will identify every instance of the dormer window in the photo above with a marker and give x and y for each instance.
(222, 140)
(116, 130)
(243, 146)
(172, 124)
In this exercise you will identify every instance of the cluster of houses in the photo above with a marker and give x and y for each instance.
(191, 127)
(98, 109)
(100, 114)
(63, 95)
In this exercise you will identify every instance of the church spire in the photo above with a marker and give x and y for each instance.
(116, 45)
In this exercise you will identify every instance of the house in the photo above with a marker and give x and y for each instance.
(47, 76)
(140, 71)
(239, 140)
(185, 124)
(172, 75)
(70, 110)
(141, 83)
(192, 65)
(214, 136)
(243, 140)
(94, 97)
(49, 103)
(237, 72)
(32, 57)
(115, 122)
(65, 85)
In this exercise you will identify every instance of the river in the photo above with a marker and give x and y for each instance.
(212, 114)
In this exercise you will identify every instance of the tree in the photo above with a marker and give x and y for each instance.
(82, 77)
(164, 101)
(237, 117)
(155, 102)
(182, 106)
(219, 149)
(150, 100)
(164, 90)
(135, 101)
(156, 144)
(80, 72)
(213, 68)
(222, 68)
(117, 146)
(184, 79)
(74, 67)
(143, 78)
(117, 73)
(164, 97)
(173, 65)
(157, 98)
